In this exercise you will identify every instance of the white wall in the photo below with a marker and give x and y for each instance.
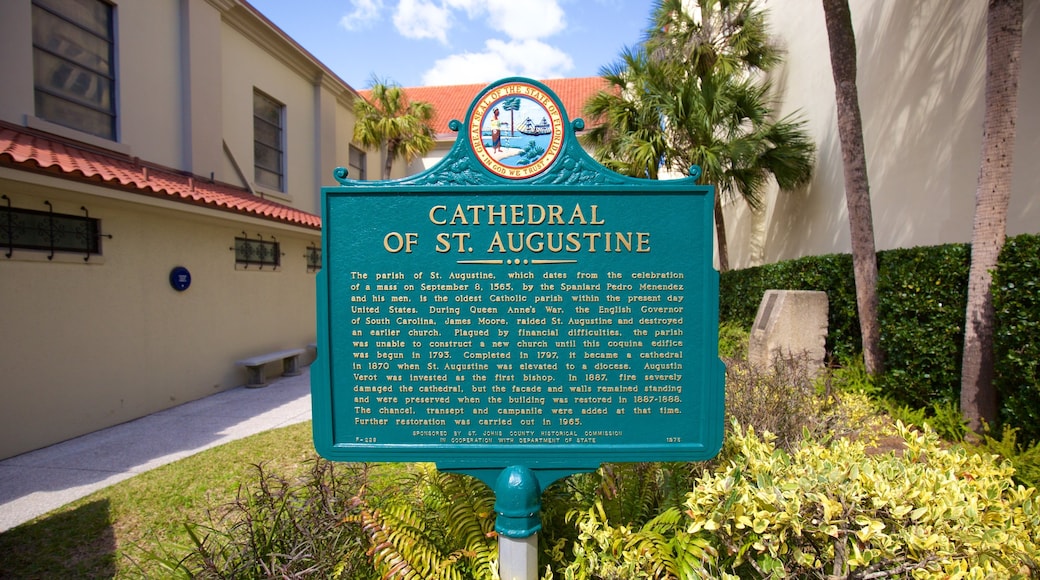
(921, 89)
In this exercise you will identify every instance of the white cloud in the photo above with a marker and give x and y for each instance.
(515, 19)
(365, 13)
(465, 68)
(528, 58)
(529, 19)
(515, 50)
(420, 19)
(473, 8)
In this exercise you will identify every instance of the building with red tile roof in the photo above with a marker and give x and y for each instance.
(37, 152)
(159, 205)
(451, 102)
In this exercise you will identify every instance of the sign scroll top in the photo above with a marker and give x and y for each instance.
(520, 316)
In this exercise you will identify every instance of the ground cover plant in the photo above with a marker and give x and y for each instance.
(828, 510)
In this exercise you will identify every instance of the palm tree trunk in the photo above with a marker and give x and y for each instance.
(720, 235)
(842, 41)
(1003, 53)
(759, 231)
(391, 153)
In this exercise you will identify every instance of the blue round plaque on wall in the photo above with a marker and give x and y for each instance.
(180, 278)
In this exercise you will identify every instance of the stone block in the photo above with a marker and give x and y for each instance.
(791, 324)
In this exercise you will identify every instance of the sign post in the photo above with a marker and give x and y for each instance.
(517, 312)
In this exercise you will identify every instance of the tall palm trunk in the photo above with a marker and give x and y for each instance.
(857, 190)
(720, 234)
(1003, 52)
(388, 163)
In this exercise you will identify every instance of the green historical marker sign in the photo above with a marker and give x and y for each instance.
(517, 305)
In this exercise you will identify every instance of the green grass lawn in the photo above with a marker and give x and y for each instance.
(108, 533)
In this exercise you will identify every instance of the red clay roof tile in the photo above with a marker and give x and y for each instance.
(452, 101)
(24, 149)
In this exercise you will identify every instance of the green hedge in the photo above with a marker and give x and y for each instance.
(1016, 297)
(922, 296)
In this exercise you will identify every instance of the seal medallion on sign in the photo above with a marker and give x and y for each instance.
(516, 130)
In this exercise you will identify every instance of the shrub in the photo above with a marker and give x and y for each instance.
(1024, 459)
(923, 294)
(340, 521)
(1016, 298)
(444, 531)
(781, 400)
(828, 510)
(280, 528)
(733, 341)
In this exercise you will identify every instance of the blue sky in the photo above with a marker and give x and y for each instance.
(444, 42)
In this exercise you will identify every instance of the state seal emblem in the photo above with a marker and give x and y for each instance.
(516, 130)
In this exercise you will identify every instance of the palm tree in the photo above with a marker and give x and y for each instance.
(687, 97)
(388, 117)
(1003, 53)
(857, 190)
(628, 134)
(729, 36)
(511, 104)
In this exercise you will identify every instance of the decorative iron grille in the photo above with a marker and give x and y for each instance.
(313, 256)
(257, 252)
(29, 229)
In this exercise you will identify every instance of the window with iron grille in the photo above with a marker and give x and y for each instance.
(27, 229)
(313, 256)
(357, 163)
(73, 72)
(257, 252)
(268, 142)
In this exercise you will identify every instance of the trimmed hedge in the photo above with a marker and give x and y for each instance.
(1016, 297)
(922, 298)
(922, 295)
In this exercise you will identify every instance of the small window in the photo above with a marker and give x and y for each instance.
(313, 257)
(257, 252)
(73, 73)
(357, 164)
(27, 229)
(268, 142)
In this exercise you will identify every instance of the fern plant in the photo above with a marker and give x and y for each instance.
(445, 533)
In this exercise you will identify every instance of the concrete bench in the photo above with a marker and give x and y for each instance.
(255, 365)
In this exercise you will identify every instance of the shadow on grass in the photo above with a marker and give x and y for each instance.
(79, 543)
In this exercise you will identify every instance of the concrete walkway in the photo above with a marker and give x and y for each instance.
(37, 482)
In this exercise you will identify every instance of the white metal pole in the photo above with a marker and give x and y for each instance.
(518, 557)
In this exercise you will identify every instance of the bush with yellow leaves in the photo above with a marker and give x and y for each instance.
(828, 510)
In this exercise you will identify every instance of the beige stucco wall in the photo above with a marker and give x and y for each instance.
(283, 85)
(16, 90)
(149, 72)
(149, 80)
(921, 89)
(87, 345)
